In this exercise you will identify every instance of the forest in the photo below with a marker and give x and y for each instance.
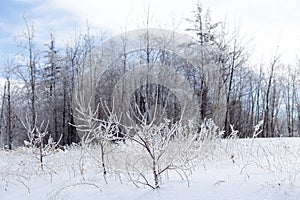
(55, 92)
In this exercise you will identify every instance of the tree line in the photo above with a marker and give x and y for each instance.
(41, 83)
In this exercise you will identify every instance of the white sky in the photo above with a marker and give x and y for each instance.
(268, 22)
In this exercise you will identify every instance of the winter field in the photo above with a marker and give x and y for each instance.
(227, 169)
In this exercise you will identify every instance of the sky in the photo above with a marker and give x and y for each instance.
(266, 23)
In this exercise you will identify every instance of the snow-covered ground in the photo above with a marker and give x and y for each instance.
(243, 169)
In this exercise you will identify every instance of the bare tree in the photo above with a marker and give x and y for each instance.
(71, 69)
(79, 73)
(165, 146)
(94, 130)
(266, 125)
(9, 115)
(51, 75)
(31, 56)
(40, 142)
(289, 86)
(2, 116)
(6, 110)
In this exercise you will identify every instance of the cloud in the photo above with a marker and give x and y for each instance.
(64, 17)
(266, 20)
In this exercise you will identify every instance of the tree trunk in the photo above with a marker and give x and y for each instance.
(9, 130)
(2, 112)
(266, 125)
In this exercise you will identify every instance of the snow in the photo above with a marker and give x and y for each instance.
(237, 169)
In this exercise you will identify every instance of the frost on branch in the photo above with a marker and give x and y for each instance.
(157, 149)
(152, 147)
(40, 142)
(96, 131)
